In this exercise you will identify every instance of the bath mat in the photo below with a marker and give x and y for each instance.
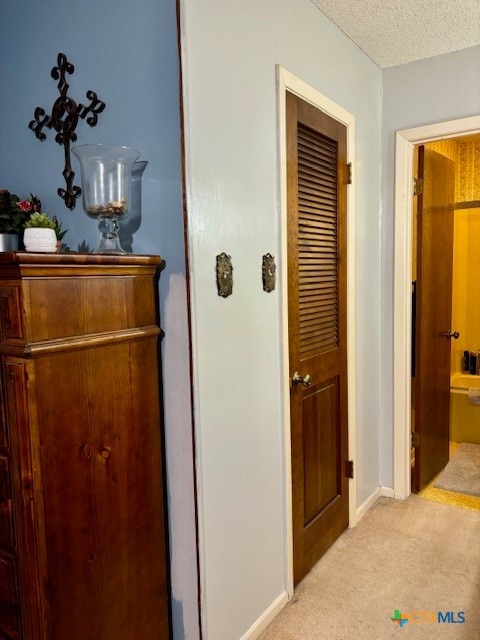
(462, 473)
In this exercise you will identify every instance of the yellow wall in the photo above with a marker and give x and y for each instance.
(466, 155)
(465, 152)
(464, 417)
(461, 251)
(466, 284)
(468, 171)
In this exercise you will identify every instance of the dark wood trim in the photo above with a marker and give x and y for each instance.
(91, 259)
(469, 204)
(61, 345)
(189, 307)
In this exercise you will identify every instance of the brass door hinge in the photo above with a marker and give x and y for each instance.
(349, 173)
(417, 186)
(349, 469)
(415, 439)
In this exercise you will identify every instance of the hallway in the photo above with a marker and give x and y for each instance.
(415, 557)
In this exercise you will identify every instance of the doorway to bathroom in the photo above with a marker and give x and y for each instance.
(445, 320)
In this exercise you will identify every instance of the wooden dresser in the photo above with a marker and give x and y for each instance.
(82, 525)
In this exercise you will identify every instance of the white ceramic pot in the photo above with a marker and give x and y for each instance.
(40, 240)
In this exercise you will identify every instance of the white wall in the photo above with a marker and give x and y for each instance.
(428, 91)
(230, 50)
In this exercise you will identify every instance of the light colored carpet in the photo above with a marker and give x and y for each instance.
(410, 556)
(462, 473)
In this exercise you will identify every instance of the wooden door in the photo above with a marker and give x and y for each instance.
(433, 315)
(316, 183)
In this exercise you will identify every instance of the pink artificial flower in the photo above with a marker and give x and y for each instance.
(24, 205)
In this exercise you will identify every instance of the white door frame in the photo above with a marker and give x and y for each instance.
(287, 81)
(402, 306)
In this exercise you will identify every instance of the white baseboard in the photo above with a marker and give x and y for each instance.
(277, 605)
(367, 504)
(387, 492)
(267, 616)
(380, 492)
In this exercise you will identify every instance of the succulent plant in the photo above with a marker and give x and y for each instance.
(44, 221)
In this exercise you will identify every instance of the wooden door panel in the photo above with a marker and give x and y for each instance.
(316, 189)
(433, 314)
(320, 445)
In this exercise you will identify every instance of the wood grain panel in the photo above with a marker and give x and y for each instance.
(10, 313)
(87, 305)
(26, 510)
(320, 446)
(98, 524)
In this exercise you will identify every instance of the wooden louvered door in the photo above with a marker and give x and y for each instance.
(316, 187)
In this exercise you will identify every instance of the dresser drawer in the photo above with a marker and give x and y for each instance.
(7, 531)
(5, 491)
(7, 536)
(4, 435)
(10, 313)
(8, 579)
(9, 622)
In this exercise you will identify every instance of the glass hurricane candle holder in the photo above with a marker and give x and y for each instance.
(106, 189)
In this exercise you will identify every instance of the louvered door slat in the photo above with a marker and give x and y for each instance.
(314, 244)
(327, 214)
(317, 236)
(321, 262)
(319, 170)
(321, 312)
(312, 325)
(317, 173)
(327, 225)
(314, 156)
(326, 271)
(318, 146)
(327, 297)
(311, 189)
(322, 204)
(317, 241)
(313, 285)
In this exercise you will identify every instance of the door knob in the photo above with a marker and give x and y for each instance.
(451, 334)
(298, 379)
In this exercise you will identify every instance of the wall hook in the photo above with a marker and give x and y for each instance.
(224, 275)
(268, 272)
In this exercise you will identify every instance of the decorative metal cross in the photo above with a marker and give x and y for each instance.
(64, 119)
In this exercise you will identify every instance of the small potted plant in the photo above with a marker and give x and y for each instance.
(60, 232)
(14, 213)
(42, 233)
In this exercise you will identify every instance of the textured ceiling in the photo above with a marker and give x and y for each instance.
(393, 32)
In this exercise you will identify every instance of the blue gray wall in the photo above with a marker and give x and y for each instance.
(126, 52)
